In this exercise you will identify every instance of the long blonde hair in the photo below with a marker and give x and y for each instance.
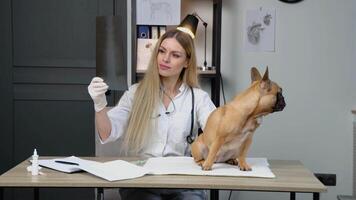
(147, 95)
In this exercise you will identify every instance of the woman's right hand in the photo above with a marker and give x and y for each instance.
(97, 89)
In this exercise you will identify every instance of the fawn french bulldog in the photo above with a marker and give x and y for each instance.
(228, 133)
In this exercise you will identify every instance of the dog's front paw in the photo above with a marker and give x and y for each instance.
(206, 166)
(244, 166)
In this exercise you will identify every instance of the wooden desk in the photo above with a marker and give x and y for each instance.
(291, 176)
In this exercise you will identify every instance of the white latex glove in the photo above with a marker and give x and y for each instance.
(97, 89)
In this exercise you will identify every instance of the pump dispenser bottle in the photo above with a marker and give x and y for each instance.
(34, 167)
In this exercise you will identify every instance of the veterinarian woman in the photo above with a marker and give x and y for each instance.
(153, 118)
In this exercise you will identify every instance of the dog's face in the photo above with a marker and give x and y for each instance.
(271, 99)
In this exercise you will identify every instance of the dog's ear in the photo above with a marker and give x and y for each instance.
(265, 83)
(255, 75)
(266, 75)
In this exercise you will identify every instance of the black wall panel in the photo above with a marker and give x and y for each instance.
(6, 114)
(52, 75)
(58, 128)
(47, 51)
(54, 194)
(6, 96)
(54, 33)
(54, 60)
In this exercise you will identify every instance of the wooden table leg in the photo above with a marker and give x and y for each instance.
(292, 196)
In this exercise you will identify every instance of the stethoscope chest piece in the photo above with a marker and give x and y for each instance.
(190, 139)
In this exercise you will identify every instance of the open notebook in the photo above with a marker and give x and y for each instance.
(121, 170)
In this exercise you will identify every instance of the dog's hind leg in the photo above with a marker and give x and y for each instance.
(232, 161)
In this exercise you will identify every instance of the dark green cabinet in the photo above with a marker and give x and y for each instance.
(47, 61)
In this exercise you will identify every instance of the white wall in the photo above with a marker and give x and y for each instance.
(315, 64)
(354, 49)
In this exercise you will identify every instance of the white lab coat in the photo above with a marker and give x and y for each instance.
(171, 130)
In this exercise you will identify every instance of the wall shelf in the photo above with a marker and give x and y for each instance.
(212, 75)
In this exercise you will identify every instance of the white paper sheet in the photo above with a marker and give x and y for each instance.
(121, 170)
(111, 171)
(186, 165)
(50, 163)
(115, 170)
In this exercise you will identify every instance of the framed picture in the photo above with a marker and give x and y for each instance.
(158, 12)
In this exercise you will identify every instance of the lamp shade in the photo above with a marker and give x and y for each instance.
(189, 25)
(110, 53)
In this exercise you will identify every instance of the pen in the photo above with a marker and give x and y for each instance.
(65, 162)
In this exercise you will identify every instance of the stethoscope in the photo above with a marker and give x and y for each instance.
(190, 138)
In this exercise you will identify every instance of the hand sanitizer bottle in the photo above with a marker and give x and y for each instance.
(34, 167)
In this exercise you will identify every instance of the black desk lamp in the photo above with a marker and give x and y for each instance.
(189, 25)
